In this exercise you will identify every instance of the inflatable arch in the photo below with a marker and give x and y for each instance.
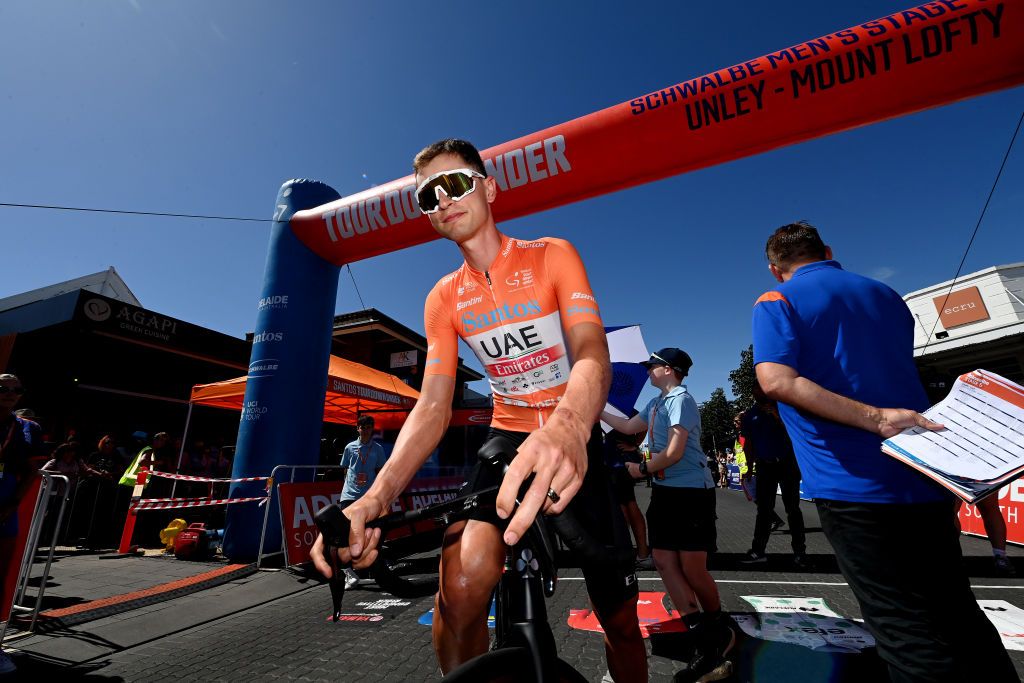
(933, 54)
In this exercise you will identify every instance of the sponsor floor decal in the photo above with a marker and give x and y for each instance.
(372, 611)
(654, 617)
(427, 618)
(1008, 620)
(808, 622)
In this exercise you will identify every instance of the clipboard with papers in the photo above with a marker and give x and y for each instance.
(982, 447)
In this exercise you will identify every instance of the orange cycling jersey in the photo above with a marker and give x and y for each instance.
(514, 316)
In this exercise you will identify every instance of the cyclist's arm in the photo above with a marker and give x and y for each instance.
(557, 452)
(419, 436)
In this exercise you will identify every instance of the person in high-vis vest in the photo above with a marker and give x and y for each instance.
(146, 457)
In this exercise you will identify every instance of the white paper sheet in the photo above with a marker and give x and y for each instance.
(984, 436)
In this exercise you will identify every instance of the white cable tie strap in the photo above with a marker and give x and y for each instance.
(189, 477)
(173, 503)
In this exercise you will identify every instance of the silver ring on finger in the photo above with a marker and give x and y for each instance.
(554, 496)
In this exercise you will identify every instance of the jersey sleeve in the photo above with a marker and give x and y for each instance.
(775, 338)
(442, 339)
(565, 272)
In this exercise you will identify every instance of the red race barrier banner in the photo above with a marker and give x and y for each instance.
(1011, 504)
(923, 57)
(299, 504)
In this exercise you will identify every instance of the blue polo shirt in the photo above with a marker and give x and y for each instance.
(677, 408)
(362, 460)
(853, 336)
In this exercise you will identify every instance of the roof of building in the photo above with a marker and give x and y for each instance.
(106, 282)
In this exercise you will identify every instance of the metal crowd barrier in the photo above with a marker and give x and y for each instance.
(275, 480)
(53, 489)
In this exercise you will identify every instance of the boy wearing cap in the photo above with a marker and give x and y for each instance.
(681, 516)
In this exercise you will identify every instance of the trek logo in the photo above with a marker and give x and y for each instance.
(582, 295)
(470, 302)
(506, 313)
(267, 337)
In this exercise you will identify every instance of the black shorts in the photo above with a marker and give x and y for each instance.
(682, 519)
(594, 505)
(623, 485)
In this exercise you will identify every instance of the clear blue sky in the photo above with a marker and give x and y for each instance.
(207, 107)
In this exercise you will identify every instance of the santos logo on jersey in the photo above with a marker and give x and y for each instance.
(507, 312)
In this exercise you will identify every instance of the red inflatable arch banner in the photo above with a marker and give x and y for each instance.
(933, 54)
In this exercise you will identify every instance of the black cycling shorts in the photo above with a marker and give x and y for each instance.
(594, 505)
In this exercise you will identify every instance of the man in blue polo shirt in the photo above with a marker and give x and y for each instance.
(362, 460)
(830, 346)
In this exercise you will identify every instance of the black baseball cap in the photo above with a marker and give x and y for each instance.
(677, 359)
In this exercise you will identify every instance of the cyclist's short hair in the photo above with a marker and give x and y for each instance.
(794, 243)
(460, 148)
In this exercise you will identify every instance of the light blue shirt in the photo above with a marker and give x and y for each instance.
(677, 408)
(362, 460)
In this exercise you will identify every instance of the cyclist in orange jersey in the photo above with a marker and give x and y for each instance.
(527, 311)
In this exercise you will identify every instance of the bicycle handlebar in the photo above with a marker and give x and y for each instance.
(334, 526)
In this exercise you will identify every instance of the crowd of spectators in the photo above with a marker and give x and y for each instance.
(101, 475)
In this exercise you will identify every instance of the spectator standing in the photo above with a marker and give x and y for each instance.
(995, 529)
(109, 460)
(831, 347)
(361, 461)
(16, 478)
(619, 449)
(773, 466)
(153, 456)
(681, 516)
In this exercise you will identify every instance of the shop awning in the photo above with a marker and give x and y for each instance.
(352, 389)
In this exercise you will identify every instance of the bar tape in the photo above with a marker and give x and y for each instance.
(187, 477)
(169, 503)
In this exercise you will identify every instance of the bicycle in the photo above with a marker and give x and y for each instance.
(524, 646)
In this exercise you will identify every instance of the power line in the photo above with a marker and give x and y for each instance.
(975, 233)
(135, 213)
(349, 266)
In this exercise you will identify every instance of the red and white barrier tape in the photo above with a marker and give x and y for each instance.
(188, 477)
(169, 503)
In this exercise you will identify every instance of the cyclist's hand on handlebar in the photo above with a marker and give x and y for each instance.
(362, 548)
(362, 542)
(558, 456)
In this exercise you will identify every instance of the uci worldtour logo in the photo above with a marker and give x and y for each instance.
(507, 312)
(277, 302)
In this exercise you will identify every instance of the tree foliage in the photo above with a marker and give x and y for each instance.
(743, 379)
(716, 414)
